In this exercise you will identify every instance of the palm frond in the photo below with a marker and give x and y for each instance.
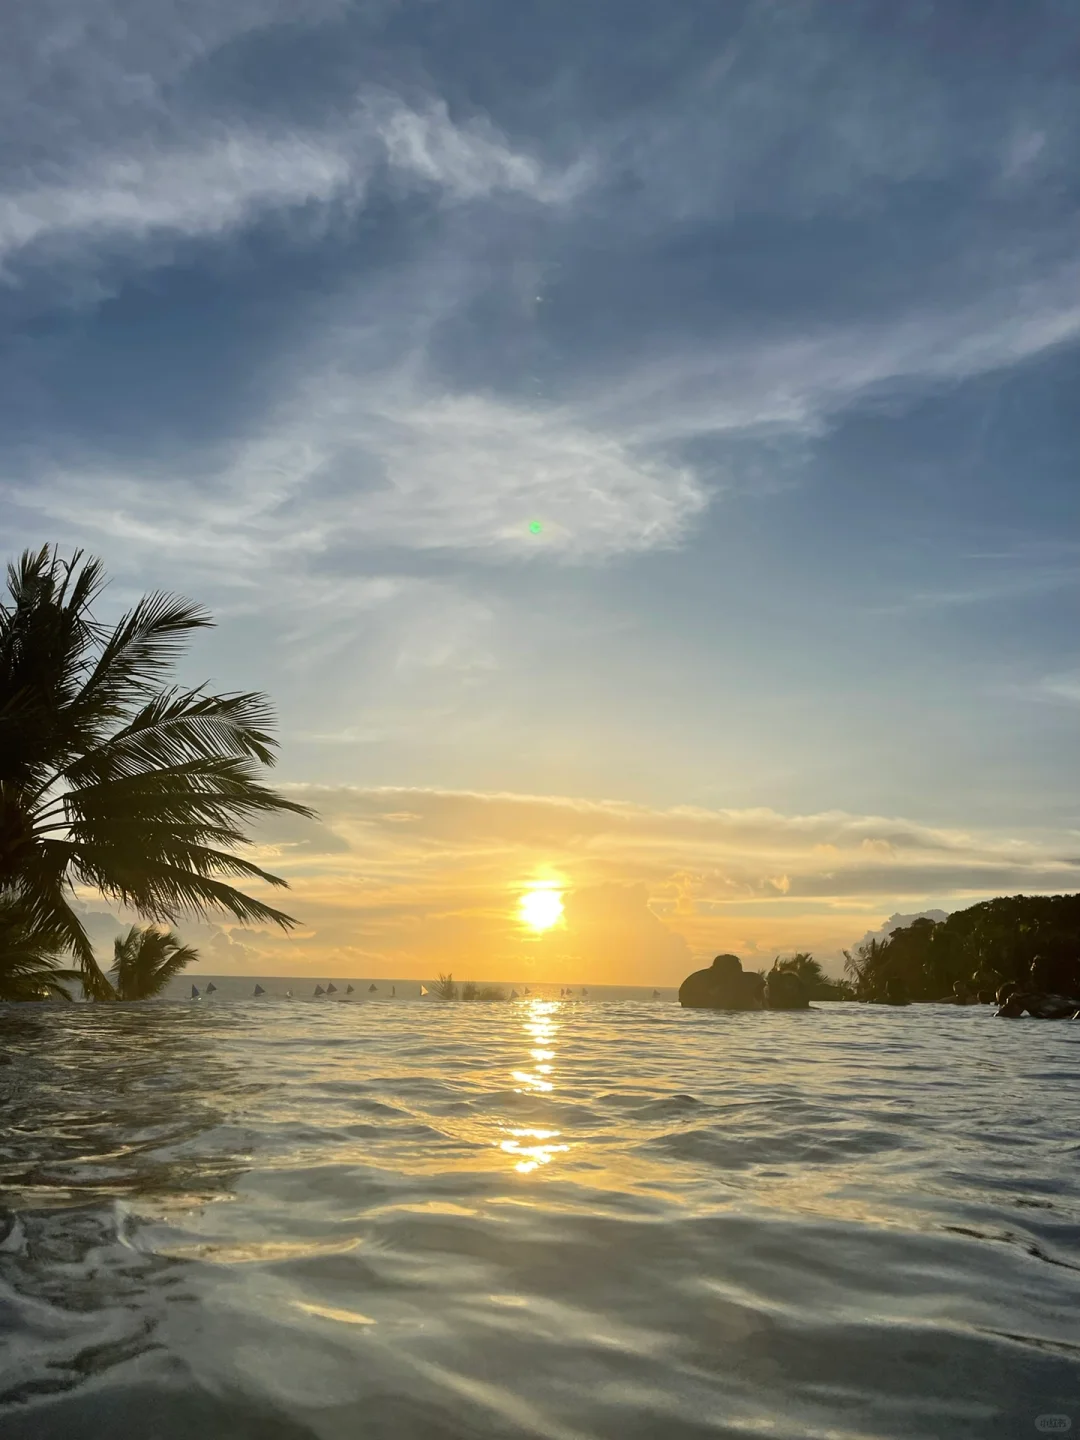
(176, 727)
(143, 793)
(30, 965)
(142, 647)
(145, 960)
(42, 891)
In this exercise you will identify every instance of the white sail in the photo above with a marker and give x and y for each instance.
(423, 990)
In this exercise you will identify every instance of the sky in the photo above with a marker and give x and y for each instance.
(634, 445)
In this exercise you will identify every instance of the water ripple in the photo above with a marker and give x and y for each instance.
(605, 1220)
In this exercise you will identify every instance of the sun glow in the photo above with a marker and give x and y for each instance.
(540, 909)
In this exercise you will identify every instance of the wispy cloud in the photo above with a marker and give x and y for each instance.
(370, 435)
(472, 472)
(389, 462)
(235, 174)
(1062, 689)
(197, 190)
(389, 872)
(804, 377)
(355, 456)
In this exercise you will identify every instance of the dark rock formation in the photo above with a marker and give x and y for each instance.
(723, 986)
(784, 991)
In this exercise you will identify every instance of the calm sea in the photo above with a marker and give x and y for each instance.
(601, 1218)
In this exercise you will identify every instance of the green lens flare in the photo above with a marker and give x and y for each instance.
(535, 527)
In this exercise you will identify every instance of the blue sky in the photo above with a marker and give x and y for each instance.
(768, 314)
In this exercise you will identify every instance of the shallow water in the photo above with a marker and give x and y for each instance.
(598, 1219)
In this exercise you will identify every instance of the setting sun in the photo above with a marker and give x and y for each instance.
(541, 909)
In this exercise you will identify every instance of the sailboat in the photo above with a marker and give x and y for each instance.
(258, 990)
(656, 994)
(288, 994)
(211, 988)
(348, 989)
(319, 990)
(583, 990)
(393, 991)
(331, 989)
(372, 988)
(423, 990)
(194, 992)
(513, 995)
(526, 989)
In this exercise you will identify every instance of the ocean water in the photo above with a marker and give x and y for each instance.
(605, 1218)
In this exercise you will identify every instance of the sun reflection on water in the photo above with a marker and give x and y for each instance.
(535, 1146)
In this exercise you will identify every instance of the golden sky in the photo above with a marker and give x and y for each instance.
(410, 882)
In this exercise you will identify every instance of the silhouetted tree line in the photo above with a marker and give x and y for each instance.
(974, 952)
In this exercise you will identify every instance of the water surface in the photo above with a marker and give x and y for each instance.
(602, 1219)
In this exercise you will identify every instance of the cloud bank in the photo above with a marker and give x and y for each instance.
(410, 882)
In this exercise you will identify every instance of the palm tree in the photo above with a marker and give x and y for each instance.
(145, 960)
(805, 967)
(111, 781)
(862, 968)
(30, 967)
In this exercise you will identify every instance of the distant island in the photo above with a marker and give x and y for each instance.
(1015, 946)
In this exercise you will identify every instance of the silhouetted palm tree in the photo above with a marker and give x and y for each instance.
(861, 966)
(109, 780)
(30, 965)
(805, 967)
(145, 960)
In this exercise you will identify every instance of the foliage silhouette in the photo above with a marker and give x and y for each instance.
(471, 991)
(145, 960)
(815, 982)
(445, 989)
(975, 951)
(30, 959)
(109, 780)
